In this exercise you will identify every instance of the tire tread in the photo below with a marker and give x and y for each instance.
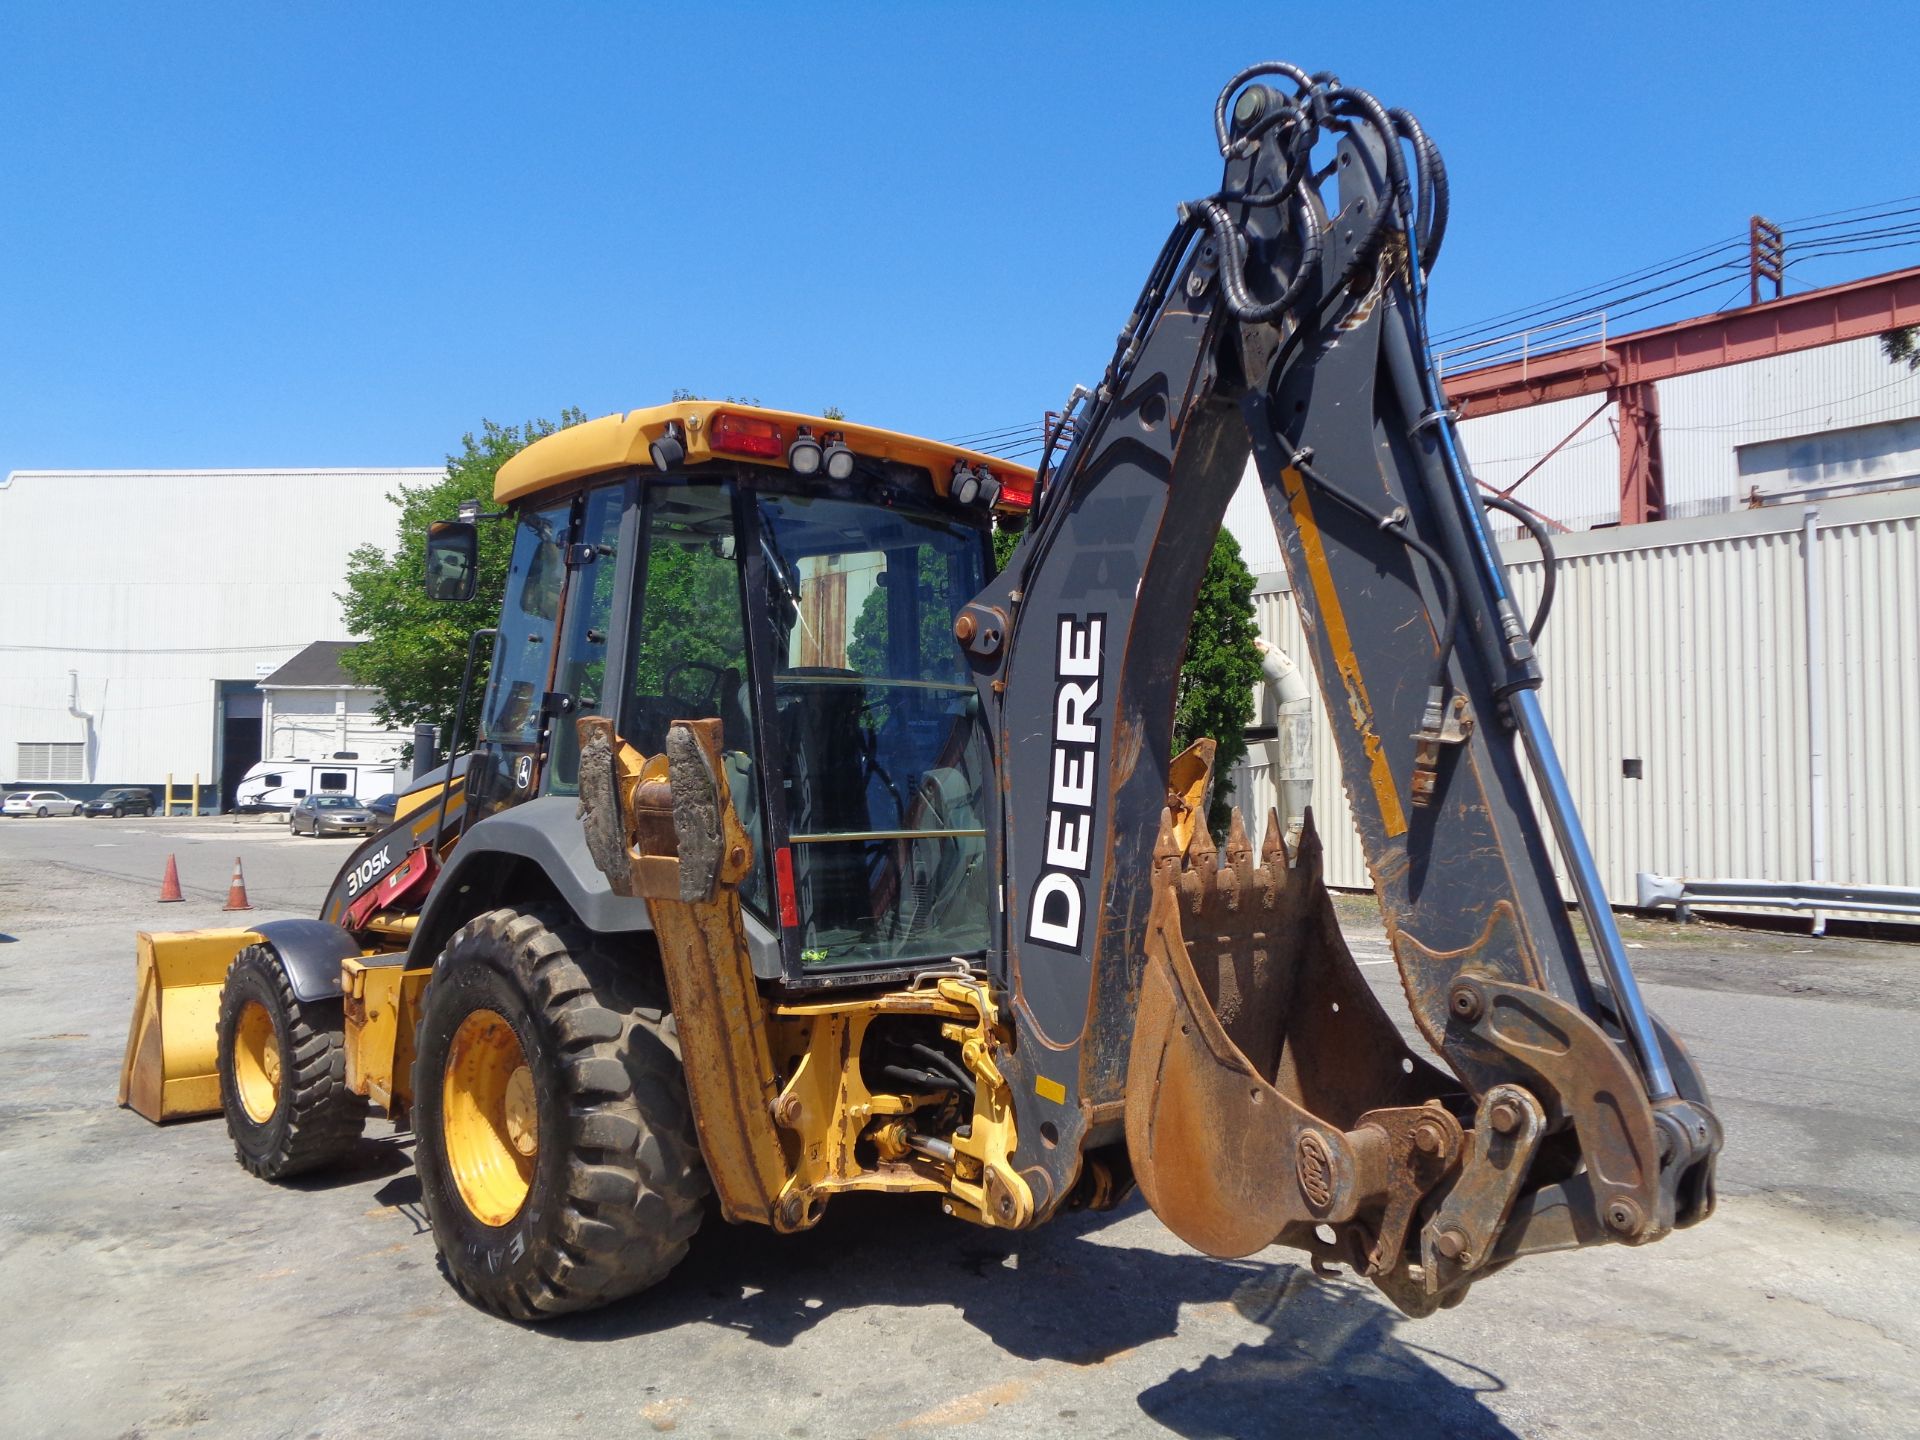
(634, 1185)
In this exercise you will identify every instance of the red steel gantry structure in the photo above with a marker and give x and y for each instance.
(1625, 368)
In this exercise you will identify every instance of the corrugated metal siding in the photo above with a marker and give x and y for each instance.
(1870, 583)
(1684, 645)
(155, 586)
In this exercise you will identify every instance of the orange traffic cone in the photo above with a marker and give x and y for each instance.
(237, 890)
(170, 883)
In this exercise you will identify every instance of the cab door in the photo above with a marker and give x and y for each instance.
(551, 651)
(505, 768)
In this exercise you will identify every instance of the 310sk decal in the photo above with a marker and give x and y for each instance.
(369, 870)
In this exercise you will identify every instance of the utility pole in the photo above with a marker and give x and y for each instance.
(1766, 257)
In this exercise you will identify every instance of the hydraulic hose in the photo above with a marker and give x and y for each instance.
(1233, 276)
(947, 1065)
(1549, 562)
(1434, 195)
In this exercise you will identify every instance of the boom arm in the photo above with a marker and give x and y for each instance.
(1212, 1012)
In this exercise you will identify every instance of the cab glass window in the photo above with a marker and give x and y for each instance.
(524, 647)
(689, 654)
(582, 669)
(884, 763)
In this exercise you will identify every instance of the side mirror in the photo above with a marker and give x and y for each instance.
(453, 552)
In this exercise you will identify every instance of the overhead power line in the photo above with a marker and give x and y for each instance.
(1857, 230)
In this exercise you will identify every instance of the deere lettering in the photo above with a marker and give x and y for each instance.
(1057, 910)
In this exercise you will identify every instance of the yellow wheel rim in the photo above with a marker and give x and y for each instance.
(489, 1118)
(256, 1063)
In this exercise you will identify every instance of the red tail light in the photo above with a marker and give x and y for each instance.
(783, 883)
(744, 435)
(1016, 494)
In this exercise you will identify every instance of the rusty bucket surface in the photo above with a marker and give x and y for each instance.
(1266, 1087)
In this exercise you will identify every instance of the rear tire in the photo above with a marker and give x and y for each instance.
(283, 1072)
(555, 1141)
(43, 815)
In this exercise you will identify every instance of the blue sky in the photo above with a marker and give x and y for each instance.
(289, 234)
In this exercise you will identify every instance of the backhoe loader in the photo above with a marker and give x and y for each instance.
(798, 853)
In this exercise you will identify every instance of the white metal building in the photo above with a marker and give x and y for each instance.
(1680, 693)
(1680, 685)
(140, 609)
(312, 708)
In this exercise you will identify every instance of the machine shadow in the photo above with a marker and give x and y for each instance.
(371, 1159)
(1053, 1294)
(1332, 1367)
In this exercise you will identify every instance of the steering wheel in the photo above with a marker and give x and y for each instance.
(696, 704)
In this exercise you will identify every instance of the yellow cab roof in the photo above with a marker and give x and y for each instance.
(614, 442)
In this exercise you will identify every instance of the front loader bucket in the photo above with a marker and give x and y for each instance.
(169, 1071)
(1267, 1088)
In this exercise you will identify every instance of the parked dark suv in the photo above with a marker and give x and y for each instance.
(119, 802)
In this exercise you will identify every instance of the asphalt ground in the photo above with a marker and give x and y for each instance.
(150, 1287)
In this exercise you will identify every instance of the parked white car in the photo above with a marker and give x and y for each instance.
(41, 803)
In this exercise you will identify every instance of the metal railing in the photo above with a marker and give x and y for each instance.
(1561, 338)
(1658, 891)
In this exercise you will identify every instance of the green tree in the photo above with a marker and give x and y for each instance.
(413, 648)
(1005, 542)
(1900, 345)
(1221, 667)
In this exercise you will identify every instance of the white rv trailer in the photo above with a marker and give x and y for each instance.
(279, 784)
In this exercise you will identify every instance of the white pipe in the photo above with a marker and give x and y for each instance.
(84, 716)
(1816, 710)
(1290, 752)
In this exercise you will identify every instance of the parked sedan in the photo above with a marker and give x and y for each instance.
(119, 802)
(331, 815)
(39, 802)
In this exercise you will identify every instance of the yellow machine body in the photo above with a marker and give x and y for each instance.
(381, 1001)
(613, 442)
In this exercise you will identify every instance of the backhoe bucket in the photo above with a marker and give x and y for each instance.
(169, 1071)
(1271, 1099)
(1267, 1088)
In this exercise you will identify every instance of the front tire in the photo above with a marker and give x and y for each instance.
(555, 1141)
(283, 1072)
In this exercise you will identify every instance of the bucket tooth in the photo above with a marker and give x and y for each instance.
(1239, 848)
(1273, 845)
(1166, 846)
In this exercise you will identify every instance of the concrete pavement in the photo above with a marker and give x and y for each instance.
(153, 1288)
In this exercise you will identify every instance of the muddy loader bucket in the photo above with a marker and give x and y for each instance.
(169, 1070)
